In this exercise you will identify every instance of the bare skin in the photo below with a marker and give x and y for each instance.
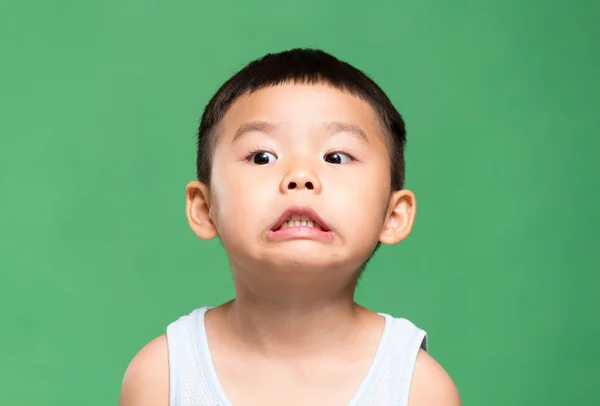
(294, 335)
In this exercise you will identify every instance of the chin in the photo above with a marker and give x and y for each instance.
(301, 265)
(307, 261)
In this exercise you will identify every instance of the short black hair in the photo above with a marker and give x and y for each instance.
(301, 66)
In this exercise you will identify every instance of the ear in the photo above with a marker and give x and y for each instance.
(400, 217)
(198, 210)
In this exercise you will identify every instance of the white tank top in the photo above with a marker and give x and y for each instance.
(193, 380)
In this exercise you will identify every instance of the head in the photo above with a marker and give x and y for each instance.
(301, 133)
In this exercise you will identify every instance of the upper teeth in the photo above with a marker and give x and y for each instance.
(298, 220)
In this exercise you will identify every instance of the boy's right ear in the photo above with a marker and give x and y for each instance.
(198, 210)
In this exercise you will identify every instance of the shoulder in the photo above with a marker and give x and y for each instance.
(431, 384)
(146, 380)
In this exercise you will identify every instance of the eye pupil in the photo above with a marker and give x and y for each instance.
(261, 158)
(333, 158)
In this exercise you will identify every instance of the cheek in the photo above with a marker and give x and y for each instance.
(241, 199)
(361, 199)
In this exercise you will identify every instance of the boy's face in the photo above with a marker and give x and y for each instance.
(298, 147)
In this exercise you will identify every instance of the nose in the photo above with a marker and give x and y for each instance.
(300, 180)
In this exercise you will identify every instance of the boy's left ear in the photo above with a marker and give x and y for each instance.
(400, 217)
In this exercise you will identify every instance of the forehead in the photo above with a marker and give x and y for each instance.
(301, 105)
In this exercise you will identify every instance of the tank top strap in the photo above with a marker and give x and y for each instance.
(389, 384)
(408, 339)
(190, 372)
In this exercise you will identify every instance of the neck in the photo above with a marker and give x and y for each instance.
(307, 315)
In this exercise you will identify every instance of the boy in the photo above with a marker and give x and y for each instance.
(300, 174)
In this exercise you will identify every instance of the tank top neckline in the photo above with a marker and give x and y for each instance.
(377, 359)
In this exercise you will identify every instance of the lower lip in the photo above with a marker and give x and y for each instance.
(300, 233)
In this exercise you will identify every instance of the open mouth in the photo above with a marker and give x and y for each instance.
(300, 217)
(300, 220)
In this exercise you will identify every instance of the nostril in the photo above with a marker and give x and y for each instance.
(309, 186)
(292, 185)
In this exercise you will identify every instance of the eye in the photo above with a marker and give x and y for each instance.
(338, 158)
(262, 158)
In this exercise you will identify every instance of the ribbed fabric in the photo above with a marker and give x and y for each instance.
(193, 381)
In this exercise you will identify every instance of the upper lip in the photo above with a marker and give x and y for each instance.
(300, 210)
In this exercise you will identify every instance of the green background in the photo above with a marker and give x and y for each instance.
(100, 103)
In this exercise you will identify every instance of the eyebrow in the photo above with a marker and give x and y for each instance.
(335, 127)
(252, 126)
(332, 127)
